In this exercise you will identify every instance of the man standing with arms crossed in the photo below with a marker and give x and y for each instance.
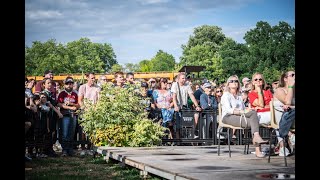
(89, 91)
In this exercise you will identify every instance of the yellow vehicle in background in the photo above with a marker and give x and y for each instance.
(137, 75)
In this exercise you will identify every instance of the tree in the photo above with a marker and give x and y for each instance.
(91, 57)
(116, 68)
(272, 47)
(47, 55)
(209, 36)
(74, 57)
(202, 49)
(234, 55)
(145, 65)
(162, 62)
(130, 67)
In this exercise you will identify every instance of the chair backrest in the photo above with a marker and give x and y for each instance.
(274, 123)
(220, 114)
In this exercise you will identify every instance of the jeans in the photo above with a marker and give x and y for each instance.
(286, 122)
(68, 126)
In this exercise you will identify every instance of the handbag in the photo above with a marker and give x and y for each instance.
(242, 116)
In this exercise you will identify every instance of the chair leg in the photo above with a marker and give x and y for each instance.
(229, 141)
(248, 141)
(219, 131)
(284, 150)
(271, 135)
(245, 145)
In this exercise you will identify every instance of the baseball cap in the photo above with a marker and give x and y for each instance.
(69, 80)
(205, 81)
(207, 85)
(144, 84)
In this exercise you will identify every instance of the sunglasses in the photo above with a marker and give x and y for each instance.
(43, 97)
(153, 82)
(291, 75)
(258, 79)
(219, 91)
(232, 81)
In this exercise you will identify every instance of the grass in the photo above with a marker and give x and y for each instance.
(79, 168)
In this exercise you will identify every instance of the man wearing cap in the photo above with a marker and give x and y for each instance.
(208, 102)
(245, 81)
(68, 103)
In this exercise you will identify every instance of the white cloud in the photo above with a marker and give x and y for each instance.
(152, 1)
(135, 29)
(236, 33)
(43, 14)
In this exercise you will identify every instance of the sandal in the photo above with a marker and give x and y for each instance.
(262, 155)
(257, 141)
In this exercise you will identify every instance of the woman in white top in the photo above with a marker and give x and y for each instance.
(232, 108)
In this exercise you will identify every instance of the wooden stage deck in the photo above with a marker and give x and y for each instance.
(201, 162)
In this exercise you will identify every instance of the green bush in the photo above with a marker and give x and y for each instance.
(119, 119)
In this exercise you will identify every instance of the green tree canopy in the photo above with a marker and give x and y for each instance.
(74, 57)
(272, 47)
(145, 65)
(162, 62)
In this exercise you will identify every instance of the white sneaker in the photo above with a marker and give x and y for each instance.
(90, 153)
(196, 137)
(282, 152)
(221, 136)
(83, 153)
(292, 139)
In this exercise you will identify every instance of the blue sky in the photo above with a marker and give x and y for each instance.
(137, 29)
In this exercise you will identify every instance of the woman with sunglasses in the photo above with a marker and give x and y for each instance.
(284, 102)
(232, 108)
(218, 94)
(163, 101)
(260, 98)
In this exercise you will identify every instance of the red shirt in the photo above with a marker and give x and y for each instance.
(267, 95)
(64, 97)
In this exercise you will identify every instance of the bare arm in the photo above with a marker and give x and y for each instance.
(80, 101)
(55, 109)
(195, 102)
(259, 102)
(175, 102)
(283, 97)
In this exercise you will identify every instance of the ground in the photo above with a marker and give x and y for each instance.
(77, 167)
